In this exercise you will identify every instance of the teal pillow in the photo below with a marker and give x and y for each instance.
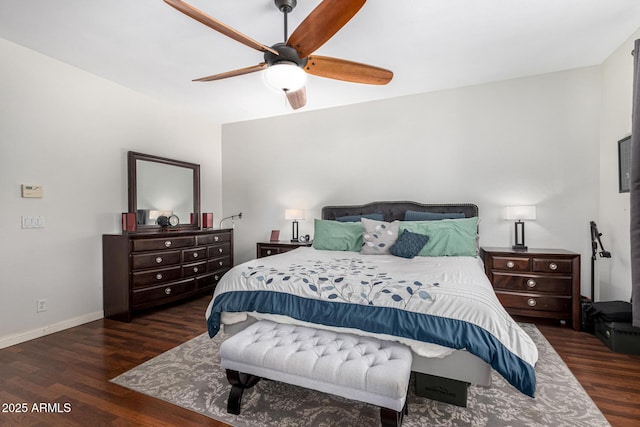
(447, 237)
(378, 216)
(408, 244)
(430, 216)
(337, 236)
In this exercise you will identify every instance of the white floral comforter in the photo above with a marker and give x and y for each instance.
(446, 301)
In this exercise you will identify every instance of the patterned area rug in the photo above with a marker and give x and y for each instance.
(190, 376)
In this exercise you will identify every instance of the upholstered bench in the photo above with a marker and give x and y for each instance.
(359, 368)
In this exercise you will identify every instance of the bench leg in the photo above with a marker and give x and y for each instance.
(239, 382)
(391, 418)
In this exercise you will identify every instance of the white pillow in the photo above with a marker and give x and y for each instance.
(378, 236)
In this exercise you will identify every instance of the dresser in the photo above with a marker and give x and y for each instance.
(145, 270)
(537, 283)
(264, 249)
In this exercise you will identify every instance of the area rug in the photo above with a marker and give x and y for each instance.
(190, 376)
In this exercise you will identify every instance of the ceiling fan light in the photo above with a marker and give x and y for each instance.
(285, 76)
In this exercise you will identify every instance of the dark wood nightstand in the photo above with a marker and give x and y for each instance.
(264, 249)
(537, 283)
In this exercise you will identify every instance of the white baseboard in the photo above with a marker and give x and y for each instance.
(10, 340)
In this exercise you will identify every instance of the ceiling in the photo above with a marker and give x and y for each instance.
(149, 47)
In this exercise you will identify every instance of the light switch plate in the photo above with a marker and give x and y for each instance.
(32, 221)
(32, 191)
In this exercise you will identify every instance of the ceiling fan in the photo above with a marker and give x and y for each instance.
(286, 64)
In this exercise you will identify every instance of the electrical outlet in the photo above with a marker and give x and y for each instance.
(41, 305)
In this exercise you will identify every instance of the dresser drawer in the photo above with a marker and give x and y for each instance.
(194, 269)
(151, 260)
(218, 263)
(165, 243)
(150, 277)
(214, 238)
(218, 251)
(511, 263)
(532, 283)
(195, 254)
(551, 265)
(265, 251)
(535, 302)
(166, 291)
(210, 279)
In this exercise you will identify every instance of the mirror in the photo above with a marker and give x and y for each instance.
(160, 186)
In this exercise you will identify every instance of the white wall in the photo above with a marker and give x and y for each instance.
(70, 131)
(548, 140)
(526, 141)
(614, 274)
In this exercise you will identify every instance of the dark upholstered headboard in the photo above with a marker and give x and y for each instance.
(395, 210)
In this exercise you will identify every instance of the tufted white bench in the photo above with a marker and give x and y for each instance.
(358, 368)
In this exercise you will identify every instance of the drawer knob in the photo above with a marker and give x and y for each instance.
(220, 262)
(269, 252)
(159, 259)
(159, 276)
(167, 291)
(531, 302)
(510, 264)
(167, 243)
(195, 254)
(531, 283)
(220, 250)
(215, 238)
(195, 269)
(553, 266)
(216, 277)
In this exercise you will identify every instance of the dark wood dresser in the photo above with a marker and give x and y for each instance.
(537, 283)
(145, 270)
(264, 249)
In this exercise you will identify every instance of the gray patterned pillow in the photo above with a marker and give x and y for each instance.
(378, 236)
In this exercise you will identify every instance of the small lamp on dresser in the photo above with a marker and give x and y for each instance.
(519, 213)
(295, 215)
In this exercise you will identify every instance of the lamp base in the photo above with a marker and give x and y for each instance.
(519, 247)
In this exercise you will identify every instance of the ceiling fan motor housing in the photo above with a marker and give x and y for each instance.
(286, 54)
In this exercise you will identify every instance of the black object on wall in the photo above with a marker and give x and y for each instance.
(635, 187)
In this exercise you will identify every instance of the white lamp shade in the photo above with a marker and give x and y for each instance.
(285, 75)
(519, 213)
(293, 214)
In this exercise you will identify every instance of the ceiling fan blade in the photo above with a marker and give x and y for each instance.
(233, 73)
(297, 99)
(213, 23)
(321, 24)
(341, 69)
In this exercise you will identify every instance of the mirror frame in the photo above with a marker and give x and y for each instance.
(132, 158)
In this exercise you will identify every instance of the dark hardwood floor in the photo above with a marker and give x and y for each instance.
(74, 367)
(611, 379)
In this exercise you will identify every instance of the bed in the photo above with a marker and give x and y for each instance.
(441, 305)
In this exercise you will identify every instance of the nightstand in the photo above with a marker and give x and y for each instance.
(264, 249)
(537, 283)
